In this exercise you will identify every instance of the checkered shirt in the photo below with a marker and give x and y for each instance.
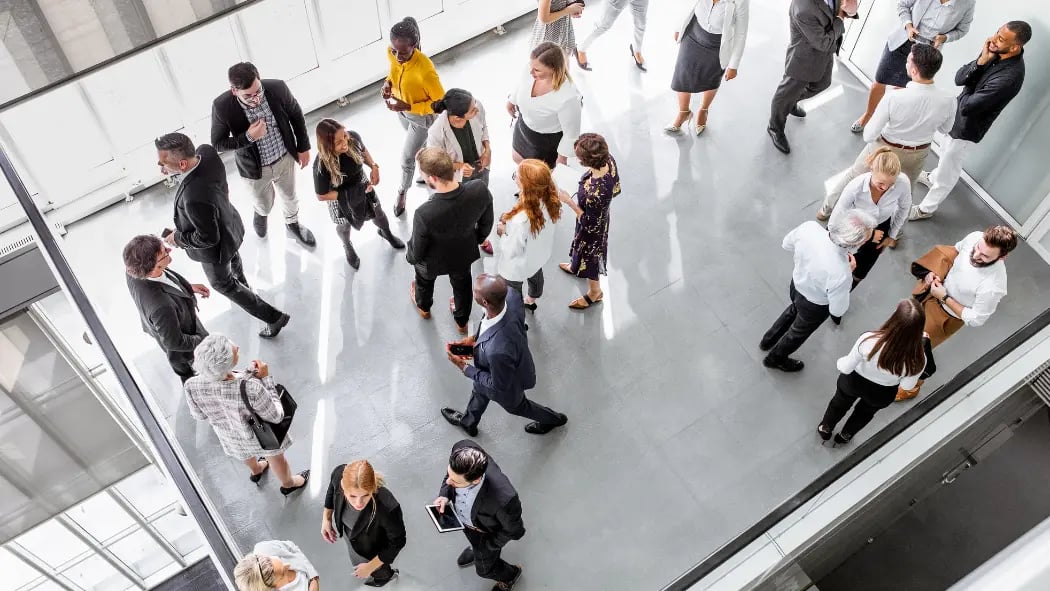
(271, 146)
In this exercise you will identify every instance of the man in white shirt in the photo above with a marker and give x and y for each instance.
(904, 121)
(820, 283)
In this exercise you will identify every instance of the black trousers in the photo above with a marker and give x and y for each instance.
(228, 279)
(535, 285)
(487, 560)
(521, 407)
(799, 320)
(869, 396)
(462, 293)
(868, 254)
(793, 90)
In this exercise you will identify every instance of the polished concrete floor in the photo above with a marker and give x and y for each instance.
(678, 438)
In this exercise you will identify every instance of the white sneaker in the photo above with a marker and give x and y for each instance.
(924, 179)
(917, 214)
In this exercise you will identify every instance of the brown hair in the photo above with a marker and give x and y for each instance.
(1002, 237)
(537, 191)
(898, 342)
(592, 150)
(327, 132)
(884, 161)
(140, 255)
(436, 162)
(552, 56)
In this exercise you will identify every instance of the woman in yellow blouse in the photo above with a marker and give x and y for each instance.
(409, 89)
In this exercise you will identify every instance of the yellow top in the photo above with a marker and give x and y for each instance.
(415, 82)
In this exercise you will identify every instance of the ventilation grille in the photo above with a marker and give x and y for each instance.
(1040, 381)
(22, 237)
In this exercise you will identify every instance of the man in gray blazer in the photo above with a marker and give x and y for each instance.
(816, 34)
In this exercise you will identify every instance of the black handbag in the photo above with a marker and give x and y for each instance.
(270, 435)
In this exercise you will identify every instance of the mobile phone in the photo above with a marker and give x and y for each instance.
(461, 350)
(576, 2)
(923, 40)
(165, 232)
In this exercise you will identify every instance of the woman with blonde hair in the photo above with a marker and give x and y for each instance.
(276, 564)
(547, 107)
(526, 230)
(359, 508)
(885, 193)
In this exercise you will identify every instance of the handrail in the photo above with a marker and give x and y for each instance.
(863, 451)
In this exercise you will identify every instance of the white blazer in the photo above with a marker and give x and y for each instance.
(440, 134)
(734, 31)
(519, 254)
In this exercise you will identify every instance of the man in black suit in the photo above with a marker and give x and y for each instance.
(208, 227)
(165, 300)
(263, 122)
(503, 368)
(487, 504)
(446, 232)
(817, 27)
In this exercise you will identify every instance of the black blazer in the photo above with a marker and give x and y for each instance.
(169, 315)
(207, 226)
(229, 126)
(986, 91)
(448, 228)
(383, 535)
(503, 368)
(497, 509)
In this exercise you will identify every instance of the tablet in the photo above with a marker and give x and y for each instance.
(444, 522)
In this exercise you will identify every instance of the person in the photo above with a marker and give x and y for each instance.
(711, 42)
(820, 283)
(214, 395)
(503, 368)
(554, 24)
(966, 292)
(589, 251)
(486, 503)
(263, 123)
(878, 363)
(547, 108)
(989, 83)
(930, 22)
(339, 180)
(276, 564)
(360, 509)
(166, 302)
(208, 227)
(526, 231)
(409, 90)
(885, 193)
(446, 232)
(816, 27)
(904, 122)
(613, 8)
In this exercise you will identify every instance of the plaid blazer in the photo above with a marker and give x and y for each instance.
(220, 404)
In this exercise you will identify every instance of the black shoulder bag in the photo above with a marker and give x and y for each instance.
(270, 435)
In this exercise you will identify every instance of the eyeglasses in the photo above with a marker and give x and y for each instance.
(253, 96)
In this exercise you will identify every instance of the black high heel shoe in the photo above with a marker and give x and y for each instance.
(637, 64)
(290, 489)
(843, 438)
(825, 435)
(583, 65)
(531, 307)
(257, 477)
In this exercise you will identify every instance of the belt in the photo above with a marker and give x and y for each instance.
(903, 147)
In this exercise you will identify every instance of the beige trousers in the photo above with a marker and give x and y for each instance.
(280, 174)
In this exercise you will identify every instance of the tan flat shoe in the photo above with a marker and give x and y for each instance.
(584, 302)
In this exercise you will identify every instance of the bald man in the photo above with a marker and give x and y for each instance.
(503, 367)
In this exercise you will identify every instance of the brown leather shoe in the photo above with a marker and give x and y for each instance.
(422, 313)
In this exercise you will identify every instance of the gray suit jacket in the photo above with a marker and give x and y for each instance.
(816, 34)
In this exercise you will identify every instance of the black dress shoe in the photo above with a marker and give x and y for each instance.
(393, 240)
(780, 141)
(302, 234)
(797, 111)
(466, 557)
(538, 428)
(530, 307)
(271, 330)
(501, 586)
(454, 417)
(784, 364)
(259, 223)
(399, 207)
(374, 582)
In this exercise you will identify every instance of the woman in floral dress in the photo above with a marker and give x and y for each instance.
(589, 252)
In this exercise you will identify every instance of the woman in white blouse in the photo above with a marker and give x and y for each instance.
(548, 108)
(276, 564)
(711, 42)
(526, 231)
(893, 356)
(885, 193)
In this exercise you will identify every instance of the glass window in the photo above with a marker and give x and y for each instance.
(52, 543)
(98, 575)
(179, 531)
(142, 553)
(101, 516)
(16, 574)
(147, 491)
(286, 21)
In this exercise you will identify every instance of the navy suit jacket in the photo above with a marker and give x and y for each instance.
(503, 368)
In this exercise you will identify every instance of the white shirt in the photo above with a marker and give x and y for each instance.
(822, 272)
(558, 110)
(519, 254)
(978, 289)
(711, 16)
(487, 323)
(164, 278)
(909, 116)
(894, 204)
(299, 583)
(857, 361)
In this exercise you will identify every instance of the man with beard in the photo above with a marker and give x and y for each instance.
(989, 83)
(969, 289)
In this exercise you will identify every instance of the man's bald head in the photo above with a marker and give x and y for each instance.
(490, 291)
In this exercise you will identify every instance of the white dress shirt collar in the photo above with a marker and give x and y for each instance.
(487, 323)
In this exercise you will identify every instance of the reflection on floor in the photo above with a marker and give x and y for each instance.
(678, 437)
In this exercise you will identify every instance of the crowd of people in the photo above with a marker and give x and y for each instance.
(447, 139)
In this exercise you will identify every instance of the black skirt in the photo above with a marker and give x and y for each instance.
(869, 252)
(893, 67)
(533, 144)
(698, 68)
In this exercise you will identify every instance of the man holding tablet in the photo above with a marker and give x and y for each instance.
(487, 505)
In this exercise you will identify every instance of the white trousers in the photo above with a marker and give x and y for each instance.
(947, 173)
(613, 8)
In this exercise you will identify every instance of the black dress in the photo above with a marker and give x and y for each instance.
(354, 205)
(698, 68)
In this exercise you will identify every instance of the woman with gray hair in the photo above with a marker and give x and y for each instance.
(214, 395)
(820, 283)
(276, 564)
